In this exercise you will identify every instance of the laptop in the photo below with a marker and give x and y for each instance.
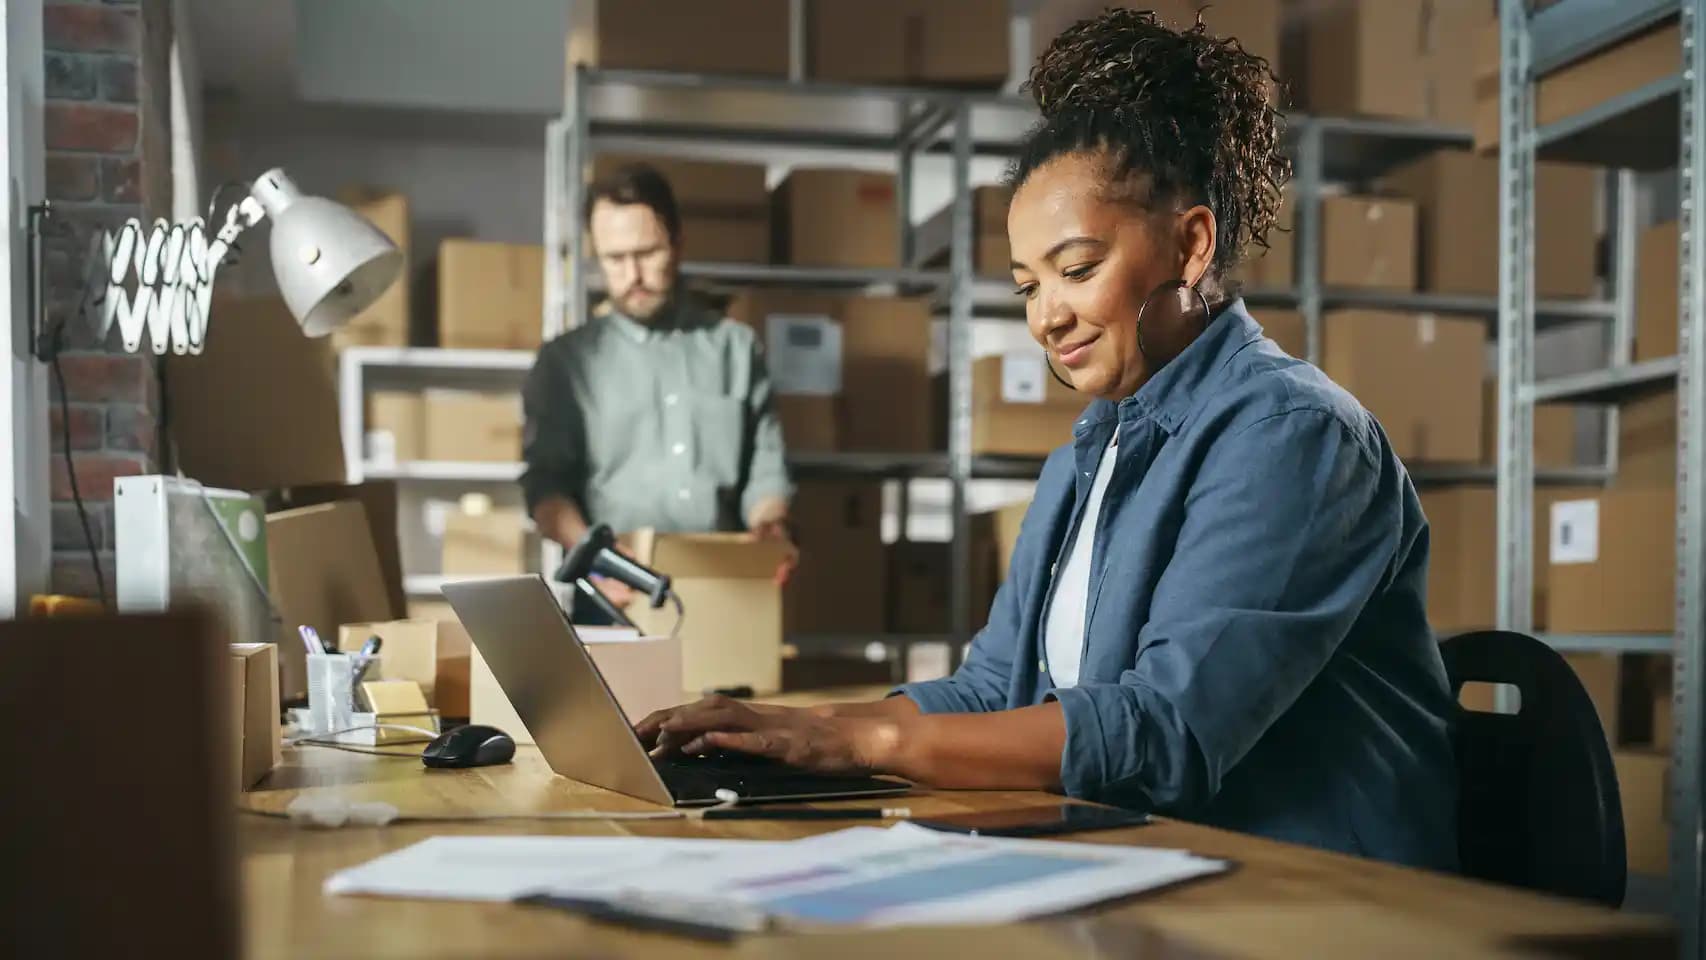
(534, 653)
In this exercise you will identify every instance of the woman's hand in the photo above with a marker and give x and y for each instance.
(802, 738)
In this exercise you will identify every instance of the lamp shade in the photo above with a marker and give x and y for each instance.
(330, 263)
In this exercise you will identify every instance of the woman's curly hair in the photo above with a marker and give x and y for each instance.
(1181, 114)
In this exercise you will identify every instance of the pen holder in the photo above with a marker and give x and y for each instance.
(331, 688)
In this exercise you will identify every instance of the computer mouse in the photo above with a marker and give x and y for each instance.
(470, 745)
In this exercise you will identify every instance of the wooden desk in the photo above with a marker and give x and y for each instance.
(1282, 901)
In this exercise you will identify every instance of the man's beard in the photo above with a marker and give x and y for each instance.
(643, 304)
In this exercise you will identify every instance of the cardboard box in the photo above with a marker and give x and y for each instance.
(231, 429)
(1554, 431)
(1646, 717)
(1368, 243)
(885, 399)
(1646, 442)
(827, 671)
(491, 296)
(920, 600)
(1577, 87)
(1289, 329)
(1657, 260)
(1274, 268)
(643, 674)
(451, 692)
(1463, 555)
(1643, 782)
(1347, 57)
(724, 207)
(259, 742)
(914, 42)
(494, 542)
(472, 427)
(1613, 563)
(1448, 62)
(751, 36)
(1601, 675)
(991, 254)
(809, 424)
(378, 499)
(396, 427)
(324, 571)
(886, 392)
(422, 651)
(387, 322)
(1419, 374)
(1454, 191)
(838, 586)
(117, 844)
(1255, 24)
(920, 571)
(732, 635)
(1018, 409)
(836, 218)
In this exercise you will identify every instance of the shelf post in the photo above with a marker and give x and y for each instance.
(1687, 853)
(959, 384)
(1515, 487)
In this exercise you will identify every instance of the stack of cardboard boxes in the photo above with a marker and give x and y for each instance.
(905, 42)
(1405, 59)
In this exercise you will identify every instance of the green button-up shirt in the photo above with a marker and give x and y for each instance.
(667, 424)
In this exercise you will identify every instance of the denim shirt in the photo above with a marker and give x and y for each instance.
(1256, 650)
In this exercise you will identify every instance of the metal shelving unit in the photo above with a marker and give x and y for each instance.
(1658, 125)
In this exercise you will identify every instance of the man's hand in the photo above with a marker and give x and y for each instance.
(803, 738)
(615, 591)
(768, 519)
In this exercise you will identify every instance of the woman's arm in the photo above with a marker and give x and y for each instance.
(1006, 749)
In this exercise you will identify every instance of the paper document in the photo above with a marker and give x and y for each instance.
(906, 874)
(506, 867)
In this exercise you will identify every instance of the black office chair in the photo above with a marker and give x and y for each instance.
(1537, 804)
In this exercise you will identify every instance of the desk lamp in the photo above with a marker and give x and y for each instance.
(329, 262)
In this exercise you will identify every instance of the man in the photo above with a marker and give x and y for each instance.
(656, 412)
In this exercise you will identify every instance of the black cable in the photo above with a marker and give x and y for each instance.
(71, 472)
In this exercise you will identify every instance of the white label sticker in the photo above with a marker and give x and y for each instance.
(1575, 531)
(381, 448)
(1427, 328)
(435, 514)
(804, 353)
(1022, 378)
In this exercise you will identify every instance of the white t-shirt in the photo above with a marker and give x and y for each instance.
(1063, 634)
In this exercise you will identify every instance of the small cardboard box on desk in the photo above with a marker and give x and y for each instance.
(732, 632)
(643, 674)
(255, 710)
(432, 653)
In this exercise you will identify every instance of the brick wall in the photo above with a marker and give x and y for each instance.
(105, 121)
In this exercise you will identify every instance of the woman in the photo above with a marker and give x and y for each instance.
(1215, 607)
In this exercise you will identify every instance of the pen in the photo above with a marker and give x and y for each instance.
(310, 639)
(759, 813)
(371, 647)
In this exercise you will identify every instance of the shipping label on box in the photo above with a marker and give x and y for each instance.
(1023, 378)
(1575, 531)
(804, 353)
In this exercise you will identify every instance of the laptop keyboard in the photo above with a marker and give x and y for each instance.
(693, 779)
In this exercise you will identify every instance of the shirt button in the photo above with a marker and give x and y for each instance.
(678, 449)
(669, 400)
(684, 493)
(1042, 666)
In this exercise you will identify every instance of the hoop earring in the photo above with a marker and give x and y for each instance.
(1057, 377)
(1174, 287)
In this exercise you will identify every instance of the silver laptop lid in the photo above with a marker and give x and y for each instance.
(556, 689)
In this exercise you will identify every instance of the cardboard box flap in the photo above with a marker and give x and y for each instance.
(724, 556)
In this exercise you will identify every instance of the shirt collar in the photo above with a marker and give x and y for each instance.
(1172, 393)
(683, 313)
